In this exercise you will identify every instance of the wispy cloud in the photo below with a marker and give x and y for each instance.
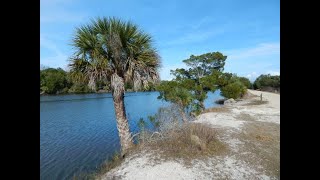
(48, 44)
(197, 31)
(204, 21)
(274, 73)
(253, 61)
(262, 49)
(196, 36)
(253, 75)
(57, 59)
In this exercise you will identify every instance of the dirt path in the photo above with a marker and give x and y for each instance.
(249, 128)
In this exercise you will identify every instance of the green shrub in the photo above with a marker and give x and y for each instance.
(246, 82)
(267, 81)
(53, 80)
(233, 90)
(80, 88)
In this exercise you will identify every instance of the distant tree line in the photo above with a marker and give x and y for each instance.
(59, 81)
(267, 82)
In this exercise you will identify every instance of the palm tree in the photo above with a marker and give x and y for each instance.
(117, 52)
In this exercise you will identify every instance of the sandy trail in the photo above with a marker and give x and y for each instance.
(272, 98)
(251, 132)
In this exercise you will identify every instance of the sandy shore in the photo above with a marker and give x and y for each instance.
(251, 131)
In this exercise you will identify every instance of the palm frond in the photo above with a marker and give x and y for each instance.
(109, 46)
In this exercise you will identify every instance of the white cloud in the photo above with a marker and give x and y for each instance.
(274, 73)
(262, 49)
(253, 74)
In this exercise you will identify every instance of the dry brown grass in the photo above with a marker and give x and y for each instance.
(255, 102)
(178, 143)
(248, 95)
(245, 117)
(262, 140)
(216, 109)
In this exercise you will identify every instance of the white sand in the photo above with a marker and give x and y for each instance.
(214, 168)
(144, 166)
(272, 98)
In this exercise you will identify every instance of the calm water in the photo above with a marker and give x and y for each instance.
(78, 132)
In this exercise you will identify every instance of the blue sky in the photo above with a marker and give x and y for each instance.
(247, 31)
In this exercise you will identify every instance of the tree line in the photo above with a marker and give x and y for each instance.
(267, 82)
(59, 81)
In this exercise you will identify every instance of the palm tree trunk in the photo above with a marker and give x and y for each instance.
(122, 121)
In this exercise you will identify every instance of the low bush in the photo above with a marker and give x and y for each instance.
(234, 90)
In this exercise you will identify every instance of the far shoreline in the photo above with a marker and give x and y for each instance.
(44, 94)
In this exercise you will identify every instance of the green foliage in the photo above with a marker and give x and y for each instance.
(151, 87)
(267, 81)
(53, 81)
(232, 86)
(114, 50)
(58, 81)
(153, 121)
(201, 77)
(225, 79)
(79, 88)
(101, 85)
(233, 90)
(201, 66)
(128, 85)
(106, 88)
(246, 82)
(141, 123)
(175, 92)
(204, 64)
